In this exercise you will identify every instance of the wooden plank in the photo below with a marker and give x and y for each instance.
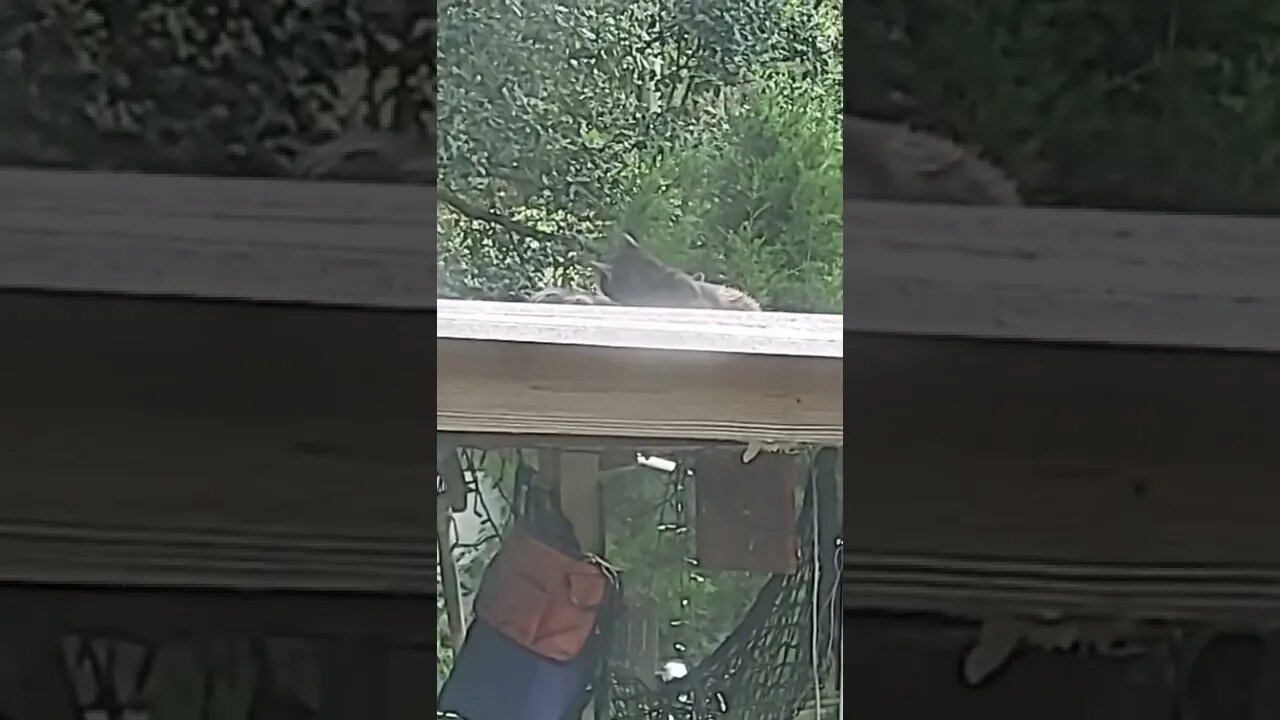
(580, 498)
(595, 443)
(745, 513)
(676, 329)
(323, 243)
(524, 369)
(978, 588)
(213, 445)
(155, 615)
(1087, 479)
(580, 491)
(1127, 278)
(543, 389)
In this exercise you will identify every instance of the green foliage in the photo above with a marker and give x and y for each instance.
(213, 87)
(545, 109)
(653, 542)
(759, 203)
(1147, 105)
(561, 123)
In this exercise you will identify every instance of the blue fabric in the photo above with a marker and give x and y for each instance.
(494, 678)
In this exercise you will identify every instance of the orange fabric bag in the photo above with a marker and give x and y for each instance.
(541, 598)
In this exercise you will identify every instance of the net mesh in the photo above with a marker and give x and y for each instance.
(774, 661)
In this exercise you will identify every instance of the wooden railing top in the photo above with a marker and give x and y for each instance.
(642, 373)
(643, 328)
(1063, 275)
(309, 243)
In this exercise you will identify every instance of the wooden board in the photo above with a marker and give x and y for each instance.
(322, 243)
(746, 512)
(987, 476)
(159, 615)
(1127, 278)
(631, 372)
(214, 445)
(798, 335)
(613, 446)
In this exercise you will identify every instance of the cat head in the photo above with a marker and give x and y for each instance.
(634, 277)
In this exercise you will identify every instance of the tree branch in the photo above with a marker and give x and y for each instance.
(480, 214)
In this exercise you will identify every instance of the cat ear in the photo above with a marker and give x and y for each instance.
(699, 277)
(629, 241)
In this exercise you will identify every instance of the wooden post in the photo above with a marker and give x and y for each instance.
(580, 498)
(548, 469)
(449, 574)
(580, 503)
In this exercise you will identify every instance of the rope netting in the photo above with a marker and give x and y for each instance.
(776, 659)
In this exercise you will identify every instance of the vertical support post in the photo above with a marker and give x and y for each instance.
(548, 468)
(580, 498)
(449, 583)
(840, 673)
(453, 500)
(580, 503)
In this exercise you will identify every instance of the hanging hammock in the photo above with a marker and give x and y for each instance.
(770, 666)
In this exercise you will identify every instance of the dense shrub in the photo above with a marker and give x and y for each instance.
(215, 86)
(1137, 104)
